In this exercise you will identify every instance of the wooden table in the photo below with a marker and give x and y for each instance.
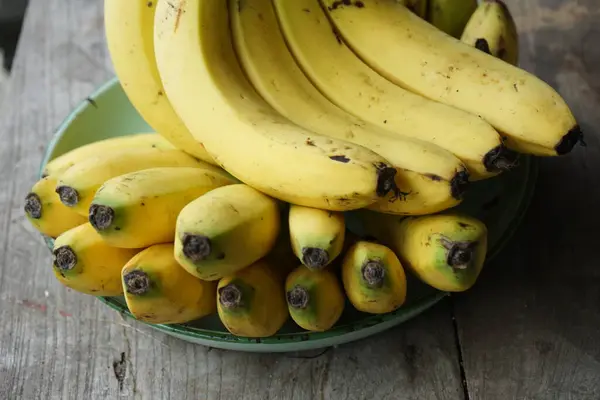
(530, 329)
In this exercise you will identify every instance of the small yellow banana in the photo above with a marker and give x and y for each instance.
(419, 57)
(317, 236)
(255, 143)
(492, 30)
(83, 262)
(251, 302)
(446, 251)
(315, 299)
(450, 16)
(140, 209)
(158, 291)
(226, 230)
(77, 186)
(79, 154)
(129, 27)
(46, 213)
(374, 279)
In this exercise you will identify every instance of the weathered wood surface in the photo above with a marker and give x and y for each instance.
(528, 330)
(57, 344)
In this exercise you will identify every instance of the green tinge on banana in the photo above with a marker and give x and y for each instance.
(450, 16)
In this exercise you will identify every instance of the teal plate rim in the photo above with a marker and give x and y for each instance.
(350, 331)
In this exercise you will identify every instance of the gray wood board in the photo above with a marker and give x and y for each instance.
(530, 328)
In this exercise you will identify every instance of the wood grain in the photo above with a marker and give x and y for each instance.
(530, 327)
(58, 344)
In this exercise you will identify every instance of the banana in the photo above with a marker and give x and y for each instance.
(419, 7)
(78, 185)
(255, 143)
(317, 236)
(258, 42)
(46, 213)
(349, 83)
(315, 299)
(251, 302)
(492, 29)
(451, 16)
(83, 262)
(373, 277)
(158, 291)
(140, 209)
(65, 161)
(129, 27)
(419, 57)
(226, 230)
(446, 251)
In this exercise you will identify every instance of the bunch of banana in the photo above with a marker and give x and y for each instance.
(274, 118)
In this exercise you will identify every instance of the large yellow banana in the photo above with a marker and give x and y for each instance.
(78, 185)
(356, 88)
(317, 236)
(129, 27)
(83, 262)
(46, 213)
(251, 302)
(226, 230)
(79, 154)
(416, 55)
(258, 42)
(255, 143)
(450, 16)
(492, 29)
(157, 290)
(140, 209)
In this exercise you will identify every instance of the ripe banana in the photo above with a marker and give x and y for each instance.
(315, 299)
(251, 302)
(46, 213)
(450, 16)
(158, 291)
(373, 278)
(446, 251)
(349, 83)
(83, 262)
(129, 27)
(317, 236)
(258, 42)
(65, 161)
(417, 56)
(78, 185)
(255, 143)
(226, 230)
(140, 209)
(492, 29)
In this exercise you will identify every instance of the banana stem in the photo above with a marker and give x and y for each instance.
(298, 297)
(459, 184)
(460, 254)
(68, 196)
(500, 158)
(101, 217)
(137, 282)
(65, 258)
(196, 247)
(373, 272)
(230, 296)
(33, 206)
(314, 257)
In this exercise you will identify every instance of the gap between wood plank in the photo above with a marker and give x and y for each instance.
(459, 351)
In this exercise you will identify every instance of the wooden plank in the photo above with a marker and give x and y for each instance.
(55, 343)
(530, 327)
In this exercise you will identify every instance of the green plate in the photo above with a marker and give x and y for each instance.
(500, 202)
